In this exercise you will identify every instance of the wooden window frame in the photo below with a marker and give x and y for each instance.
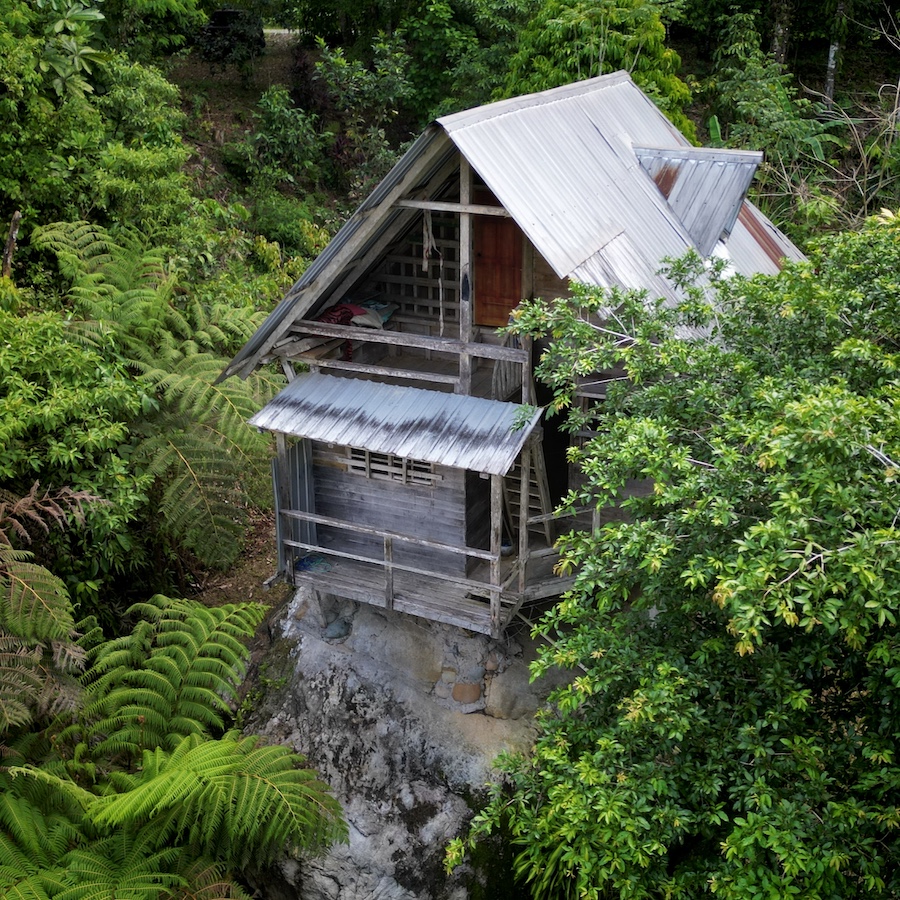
(388, 467)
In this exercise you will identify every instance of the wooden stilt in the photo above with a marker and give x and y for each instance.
(496, 535)
(465, 276)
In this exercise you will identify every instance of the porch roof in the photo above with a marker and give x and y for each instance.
(446, 429)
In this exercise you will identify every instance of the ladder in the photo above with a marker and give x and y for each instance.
(539, 503)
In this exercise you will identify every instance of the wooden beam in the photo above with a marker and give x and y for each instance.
(288, 369)
(401, 339)
(475, 209)
(385, 371)
(465, 274)
(477, 588)
(376, 532)
(284, 494)
(388, 572)
(528, 394)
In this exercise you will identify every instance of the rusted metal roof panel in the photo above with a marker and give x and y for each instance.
(704, 187)
(756, 246)
(446, 429)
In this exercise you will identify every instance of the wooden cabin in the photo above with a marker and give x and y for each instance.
(413, 471)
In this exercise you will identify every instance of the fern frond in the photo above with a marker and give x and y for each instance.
(17, 884)
(199, 445)
(40, 822)
(78, 246)
(232, 798)
(20, 681)
(69, 793)
(125, 864)
(172, 677)
(188, 388)
(34, 603)
(208, 880)
(41, 509)
(201, 504)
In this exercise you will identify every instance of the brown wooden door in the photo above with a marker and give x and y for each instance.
(498, 269)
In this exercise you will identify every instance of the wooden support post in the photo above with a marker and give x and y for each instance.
(528, 395)
(288, 368)
(388, 572)
(496, 539)
(465, 276)
(283, 490)
(524, 487)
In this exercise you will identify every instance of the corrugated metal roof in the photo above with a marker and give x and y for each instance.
(705, 187)
(562, 163)
(446, 429)
(565, 165)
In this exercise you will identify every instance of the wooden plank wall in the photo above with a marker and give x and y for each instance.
(545, 282)
(435, 513)
(401, 279)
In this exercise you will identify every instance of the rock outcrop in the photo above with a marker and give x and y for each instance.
(403, 718)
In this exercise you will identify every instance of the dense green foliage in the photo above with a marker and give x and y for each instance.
(732, 720)
(732, 724)
(114, 394)
(569, 40)
(123, 316)
(133, 786)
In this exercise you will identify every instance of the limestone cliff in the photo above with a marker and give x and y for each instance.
(403, 718)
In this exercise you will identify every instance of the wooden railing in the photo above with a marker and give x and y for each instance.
(305, 350)
(492, 590)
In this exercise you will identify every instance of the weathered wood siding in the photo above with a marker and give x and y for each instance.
(545, 282)
(434, 513)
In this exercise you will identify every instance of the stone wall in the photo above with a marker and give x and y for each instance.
(403, 718)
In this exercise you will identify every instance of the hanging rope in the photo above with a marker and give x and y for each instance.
(429, 247)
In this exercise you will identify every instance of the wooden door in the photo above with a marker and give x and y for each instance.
(498, 269)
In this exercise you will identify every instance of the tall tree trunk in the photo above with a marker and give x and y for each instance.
(782, 20)
(10, 247)
(834, 51)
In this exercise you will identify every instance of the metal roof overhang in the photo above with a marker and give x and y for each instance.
(447, 429)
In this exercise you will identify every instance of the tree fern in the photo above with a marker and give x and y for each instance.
(37, 646)
(172, 676)
(33, 841)
(38, 509)
(196, 443)
(34, 604)
(133, 800)
(123, 865)
(206, 879)
(232, 797)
